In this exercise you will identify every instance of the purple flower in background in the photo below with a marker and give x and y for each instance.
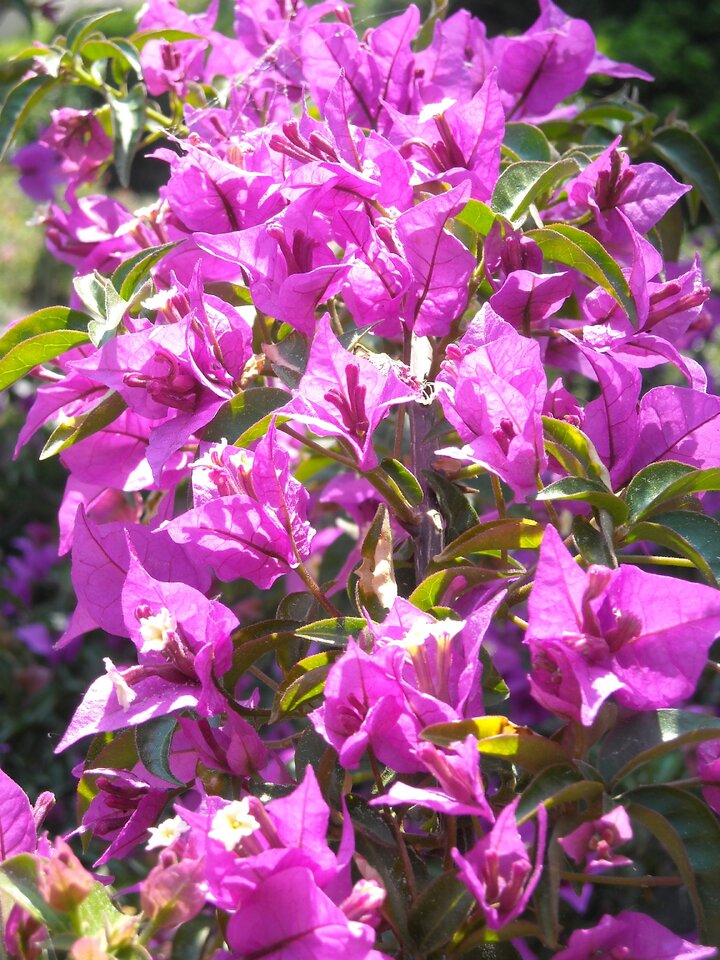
(498, 870)
(593, 843)
(81, 142)
(631, 934)
(40, 170)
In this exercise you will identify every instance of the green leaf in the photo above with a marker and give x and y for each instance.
(239, 415)
(97, 912)
(581, 251)
(128, 124)
(520, 184)
(21, 359)
(433, 589)
(498, 737)
(526, 142)
(690, 833)
(82, 27)
(153, 740)
(75, 429)
(591, 544)
(574, 450)
(40, 337)
(100, 48)
(139, 40)
(692, 535)
(18, 104)
(47, 320)
(588, 491)
(665, 481)
(478, 216)
(289, 358)
(18, 879)
(90, 287)
(129, 277)
(647, 736)
(555, 786)
(693, 161)
(495, 690)
(254, 642)
(403, 481)
(333, 632)
(493, 537)
(606, 114)
(303, 684)
(438, 913)
(455, 507)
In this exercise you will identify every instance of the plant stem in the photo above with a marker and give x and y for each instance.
(309, 581)
(395, 827)
(656, 561)
(621, 881)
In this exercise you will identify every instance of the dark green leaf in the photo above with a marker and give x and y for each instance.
(289, 358)
(581, 251)
(606, 114)
(495, 690)
(254, 642)
(665, 481)
(433, 589)
(334, 632)
(574, 450)
(100, 48)
(591, 544)
(75, 429)
(116, 750)
(303, 684)
(455, 507)
(243, 412)
(129, 277)
(555, 786)
(191, 938)
(403, 481)
(492, 537)
(82, 27)
(692, 535)
(588, 491)
(690, 833)
(438, 913)
(693, 161)
(128, 124)
(647, 736)
(649, 485)
(153, 740)
(520, 184)
(18, 104)
(526, 142)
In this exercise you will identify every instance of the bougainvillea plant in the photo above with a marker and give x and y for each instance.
(391, 472)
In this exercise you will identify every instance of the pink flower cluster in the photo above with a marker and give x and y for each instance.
(395, 341)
